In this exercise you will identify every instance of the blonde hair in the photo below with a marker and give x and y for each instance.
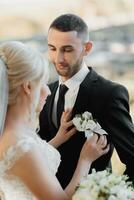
(23, 63)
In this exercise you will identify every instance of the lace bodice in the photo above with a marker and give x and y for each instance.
(11, 187)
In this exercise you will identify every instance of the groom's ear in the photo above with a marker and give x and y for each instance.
(88, 47)
(27, 87)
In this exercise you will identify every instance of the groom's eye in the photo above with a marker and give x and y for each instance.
(51, 48)
(68, 49)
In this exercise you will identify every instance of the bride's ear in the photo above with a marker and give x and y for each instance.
(27, 87)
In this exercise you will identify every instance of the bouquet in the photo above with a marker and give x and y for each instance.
(85, 123)
(104, 185)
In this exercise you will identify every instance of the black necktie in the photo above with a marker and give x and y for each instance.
(60, 103)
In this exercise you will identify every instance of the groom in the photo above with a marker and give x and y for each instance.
(68, 43)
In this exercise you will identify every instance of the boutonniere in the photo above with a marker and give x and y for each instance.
(85, 123)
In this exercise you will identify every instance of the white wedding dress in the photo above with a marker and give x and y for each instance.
(11, 187)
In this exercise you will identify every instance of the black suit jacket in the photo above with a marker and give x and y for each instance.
(108, 103)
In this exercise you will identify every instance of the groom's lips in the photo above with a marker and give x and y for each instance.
(62, 67)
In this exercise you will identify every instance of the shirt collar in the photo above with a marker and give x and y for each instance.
(76, 80)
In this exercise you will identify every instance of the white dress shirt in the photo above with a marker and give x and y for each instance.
(70, 97)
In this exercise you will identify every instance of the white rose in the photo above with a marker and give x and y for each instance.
(90, 125)
(87, 115)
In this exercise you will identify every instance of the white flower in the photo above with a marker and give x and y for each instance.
(87, 115)
(82, 195)
(90, 124)
(85, 123)
(104, 185)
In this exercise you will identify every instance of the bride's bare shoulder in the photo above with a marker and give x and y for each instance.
(8, 139)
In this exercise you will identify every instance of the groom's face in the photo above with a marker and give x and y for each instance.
(66, 51)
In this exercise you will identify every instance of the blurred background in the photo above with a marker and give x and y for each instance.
(111, 26)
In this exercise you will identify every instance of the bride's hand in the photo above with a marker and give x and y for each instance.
(94, 147)
(66, 129)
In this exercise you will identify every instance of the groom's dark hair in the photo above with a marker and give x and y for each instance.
(70, 22)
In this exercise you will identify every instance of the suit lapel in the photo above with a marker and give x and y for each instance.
(85, 91)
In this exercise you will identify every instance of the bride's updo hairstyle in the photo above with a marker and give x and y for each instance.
(23, 63)
(19, 63)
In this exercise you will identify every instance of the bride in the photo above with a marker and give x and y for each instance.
(28, 164)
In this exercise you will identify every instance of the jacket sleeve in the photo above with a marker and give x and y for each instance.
(121, 127)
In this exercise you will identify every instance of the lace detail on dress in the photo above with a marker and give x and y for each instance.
(11, 187)
(14, 153)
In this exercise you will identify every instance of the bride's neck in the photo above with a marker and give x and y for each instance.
(17, 116)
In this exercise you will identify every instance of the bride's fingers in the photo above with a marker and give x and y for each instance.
(68, 124)
(66, 115)
(94, 138)
(104, 144)
(102, 141)
(63, 115)
(105, 150)
(71, 132)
